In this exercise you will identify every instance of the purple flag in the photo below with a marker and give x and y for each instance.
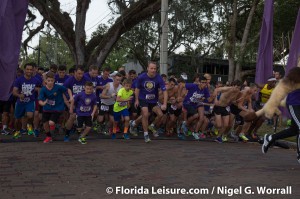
(264, 64)
(12, 19)
(294, 53)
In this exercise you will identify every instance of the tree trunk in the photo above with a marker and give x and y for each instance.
(232, 42)
(242, 47)
(82, 7)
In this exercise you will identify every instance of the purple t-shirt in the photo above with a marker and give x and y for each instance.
(195, 95)
(293, 98)
(149, 87)
(61, 81)
(84, 103)
(27, 87)
(74, 85)
(39, 77)
(91, 79)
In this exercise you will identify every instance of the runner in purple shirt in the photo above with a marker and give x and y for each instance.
(25, 88)
(92, 75)
(75, 84)
(193, 108)
(146, 96)
(85, 104)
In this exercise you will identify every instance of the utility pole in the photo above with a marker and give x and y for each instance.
(164, 38)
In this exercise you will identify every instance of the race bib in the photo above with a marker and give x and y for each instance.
(26, 99)
(51, 102)
(85, 108)
(104, 108)
(228, 108)
(150, 96)
(174, 107)
(123, 104)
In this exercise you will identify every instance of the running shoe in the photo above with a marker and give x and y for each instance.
(298, 158)
(216, 131)
(17, 135)
(189, 133)
(23, 131)
(66, 139)
(153, 130)
(126, 136)
(196, 136)
(132, 129)
(224, 138)
(202, 135)
(113, 136)
(234, 136)
(219, 140)
(181, 136)
(36, 133)
(184, 128)
(30, 130)
(5, 131)
(147, 138)
(254, 136)
(243, 137)
(82, 140)
(47, 140)
(267, 143)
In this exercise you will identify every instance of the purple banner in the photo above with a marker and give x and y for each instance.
(294, 53)
(264, 64)
(12, 19)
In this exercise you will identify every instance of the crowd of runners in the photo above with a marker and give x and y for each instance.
(109, 101)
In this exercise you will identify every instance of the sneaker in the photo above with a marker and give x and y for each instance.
(47, 140)
(184, 128)
(36, 133)
(147, 139)
(202, 136)
(189, 133)
(234, 136)
(17, 135)
(298, 158)
(132, 129)
(156, 134)
(30, 130)
(224, 138)
(126, 136)
(113, 136)
(66, 139)
(254, 136)
(82, 140)
(219, 140)
(23, 132)
(266, 144)
(181, 136)
(160, 131)
(216, 131)
(153, 130)
(196, 135)
(5, 131)
(243, 137)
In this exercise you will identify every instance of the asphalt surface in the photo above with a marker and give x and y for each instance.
(31, 169)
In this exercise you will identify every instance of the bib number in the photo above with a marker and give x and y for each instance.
(150, 96)
(51, 102)
(85, 108)
(104, 108)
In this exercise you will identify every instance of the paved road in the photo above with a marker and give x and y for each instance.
(71, 170)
